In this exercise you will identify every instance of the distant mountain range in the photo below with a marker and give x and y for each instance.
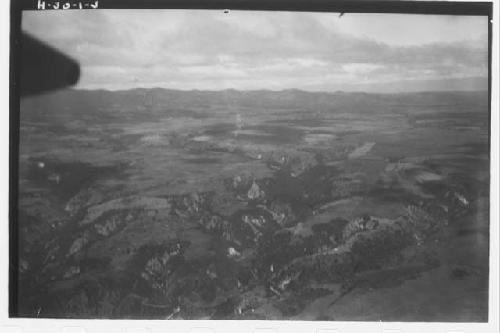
(477, 83)
(163, 99)
(456, 84)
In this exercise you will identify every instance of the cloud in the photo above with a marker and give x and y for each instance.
(257, 50)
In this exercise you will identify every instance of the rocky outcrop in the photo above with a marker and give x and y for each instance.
(255, 193)
(424, 223)
(133, 202)
(109, 224)
(361, 224)
(194, 205)
(82, 199)
(78, 244)
(282, 213)
(71, 271)
(159, 263)
(365, 243)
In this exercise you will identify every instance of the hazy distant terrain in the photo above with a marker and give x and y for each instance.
(156, 203)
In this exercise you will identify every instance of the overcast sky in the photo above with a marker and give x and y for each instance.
(210, 50)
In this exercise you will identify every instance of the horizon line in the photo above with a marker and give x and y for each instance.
(280, 90)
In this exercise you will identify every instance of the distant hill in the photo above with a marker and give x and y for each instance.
(409, 86)
(158, 99)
